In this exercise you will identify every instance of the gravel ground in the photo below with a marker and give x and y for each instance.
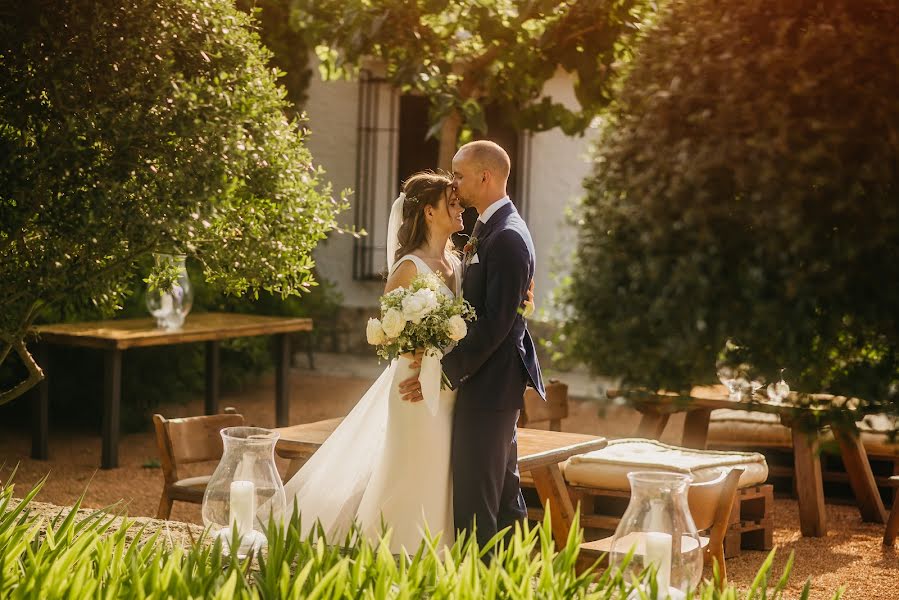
(851, 555)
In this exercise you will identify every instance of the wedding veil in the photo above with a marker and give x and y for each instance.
(393, 229)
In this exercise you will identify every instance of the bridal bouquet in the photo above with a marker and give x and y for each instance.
(419, 316)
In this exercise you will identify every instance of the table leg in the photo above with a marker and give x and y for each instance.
(892, 528)
(855, 459)
(292, 468)
(554, 496)
(112, 400)
(40, 407)
(652, 424)
(211, 406)
(282, 380)
(809, 483)
(696, 428)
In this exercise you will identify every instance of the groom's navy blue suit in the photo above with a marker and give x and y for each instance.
(491, 367)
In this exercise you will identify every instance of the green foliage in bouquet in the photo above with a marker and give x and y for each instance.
(746, 185)
(418, 317)
(98, 556)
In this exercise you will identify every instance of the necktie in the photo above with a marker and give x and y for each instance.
(477, 228)
(471, 240)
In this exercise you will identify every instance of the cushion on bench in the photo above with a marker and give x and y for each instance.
(608, 468)
(752, 429)
(734, 428)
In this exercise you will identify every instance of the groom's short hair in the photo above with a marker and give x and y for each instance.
(489, 156)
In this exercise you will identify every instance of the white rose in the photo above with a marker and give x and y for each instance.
(375, 332)
(429, 296)
(457, 328)
(419, 304)
(394, 322)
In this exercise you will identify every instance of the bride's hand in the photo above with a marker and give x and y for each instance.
(414, 358)
(527, 307)
(410, 389)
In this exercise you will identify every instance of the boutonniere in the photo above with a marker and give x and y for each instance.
(471, 247)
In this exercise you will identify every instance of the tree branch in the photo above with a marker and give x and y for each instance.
(90, 278)
(20, 331)
(469, 83)
(35, 374)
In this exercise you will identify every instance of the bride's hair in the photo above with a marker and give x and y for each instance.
(424, 188)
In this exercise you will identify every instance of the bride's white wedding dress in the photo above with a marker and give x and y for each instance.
(388, 461)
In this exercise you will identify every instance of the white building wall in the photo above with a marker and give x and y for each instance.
(332, 111)
(558, 165)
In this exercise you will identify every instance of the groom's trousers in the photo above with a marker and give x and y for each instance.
(486, 483)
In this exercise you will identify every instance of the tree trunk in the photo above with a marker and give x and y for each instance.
(16, 341)
(449, 136)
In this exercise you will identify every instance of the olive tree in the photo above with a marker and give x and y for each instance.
(746, 185)
(141, 126)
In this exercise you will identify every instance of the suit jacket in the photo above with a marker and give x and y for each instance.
(491, 365)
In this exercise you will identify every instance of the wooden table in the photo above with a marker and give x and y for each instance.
(116, 336)
(539, 452)
(700, 403)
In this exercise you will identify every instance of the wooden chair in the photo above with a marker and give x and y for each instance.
(184, 441)
(553, 410)
(710, 504)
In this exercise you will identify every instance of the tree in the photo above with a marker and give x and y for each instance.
(144, 126)
(746, 185)
(465, 55)
(290, 54)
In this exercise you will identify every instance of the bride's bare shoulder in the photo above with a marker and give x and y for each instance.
(401, 276)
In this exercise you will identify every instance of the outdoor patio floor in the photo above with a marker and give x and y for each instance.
(851, 555)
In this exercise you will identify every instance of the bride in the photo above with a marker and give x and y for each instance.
(388, 462)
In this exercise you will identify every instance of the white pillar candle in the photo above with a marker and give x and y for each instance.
(166, 306)
(658, 552)
(243, 506)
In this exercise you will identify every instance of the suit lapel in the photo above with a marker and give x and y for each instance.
(496, 220)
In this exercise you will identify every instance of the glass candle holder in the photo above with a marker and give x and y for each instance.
(245, 492)
(170, 307)
(659, 528)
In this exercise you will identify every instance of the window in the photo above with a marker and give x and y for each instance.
(393, 146)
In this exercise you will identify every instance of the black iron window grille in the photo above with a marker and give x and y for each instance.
(376, 173)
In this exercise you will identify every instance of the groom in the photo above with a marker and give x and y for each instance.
(494, 363)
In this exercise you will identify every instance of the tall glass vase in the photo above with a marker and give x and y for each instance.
(245, 491)
(170, 307)
(659, 528)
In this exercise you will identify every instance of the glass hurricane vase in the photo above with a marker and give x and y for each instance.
(170, 307)
(245, 491)
(659, 528)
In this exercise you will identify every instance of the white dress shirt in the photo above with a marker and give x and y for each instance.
(485, 216)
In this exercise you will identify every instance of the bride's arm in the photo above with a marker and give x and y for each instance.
(402, 276)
